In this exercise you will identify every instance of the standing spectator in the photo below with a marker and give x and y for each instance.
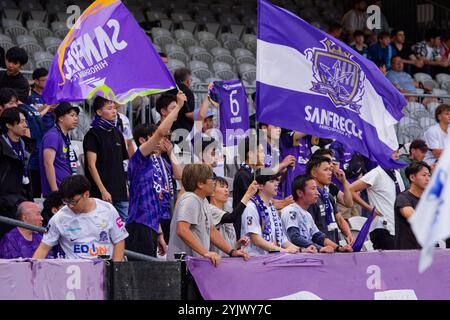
(436, 136)
(14, 178)
(8, 99)
(356, 18)
(381, 65)
(359, 45)
(428, 51)
(404, 51)
(222, 220)
(261, 222)
(104, 151)
(57, 157)
(16, 58)
(402, 80)
(382, 50)
(35, 99)
(418, 174)
(147, 188)
(21, 242)
(417, 151)
(325, 213)
(383, 185)
(83, 124)
(185, 120)
(192, 230)
(335, 30)
(96, 229)
(298, 223)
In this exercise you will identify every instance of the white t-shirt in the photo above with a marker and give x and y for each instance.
(250, 224)
(382, 195)
(86, 235)
(295, 216)
(435, 139)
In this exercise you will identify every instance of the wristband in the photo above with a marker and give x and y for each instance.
(231, 252)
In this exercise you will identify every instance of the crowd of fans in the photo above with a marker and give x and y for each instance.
(135, 193)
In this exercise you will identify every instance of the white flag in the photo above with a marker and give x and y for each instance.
(431, 220)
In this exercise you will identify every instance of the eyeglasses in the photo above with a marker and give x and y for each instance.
(72, 202)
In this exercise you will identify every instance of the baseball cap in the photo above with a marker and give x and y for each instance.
(65, 107)
(208, 114)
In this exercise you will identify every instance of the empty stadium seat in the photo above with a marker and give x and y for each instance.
(417, 110)
(426, 122)
(223, 70)
(200, 54)
(6, 42)
(248, 72)
(249, 41)
(231, 41)
(162, 37)
(185, 38)
(177, 52)
(52, 44)
(357, 222)
(59, 28)
(174, 64)
(421, 77)
(38, 29)
(244, 56)
(223, 55)
(200, 70)
(207, 40)
(432, 106)
(13, 28)
(29, 43)
(43, 59)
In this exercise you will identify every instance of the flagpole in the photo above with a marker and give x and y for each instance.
(256, 146)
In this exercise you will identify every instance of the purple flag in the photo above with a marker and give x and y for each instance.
(310, 82)
(234, 118)
(106, 53)
(362, 235)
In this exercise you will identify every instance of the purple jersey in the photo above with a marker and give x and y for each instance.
(14, 245)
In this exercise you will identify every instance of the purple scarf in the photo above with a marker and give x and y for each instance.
(100, 123)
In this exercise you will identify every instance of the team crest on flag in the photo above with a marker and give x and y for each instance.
(337, 75)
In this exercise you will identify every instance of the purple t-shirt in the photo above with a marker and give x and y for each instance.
(53, 140)
(14, 245)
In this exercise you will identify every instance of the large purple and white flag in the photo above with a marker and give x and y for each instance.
(310, 82)
(106, 53)
(234, 118)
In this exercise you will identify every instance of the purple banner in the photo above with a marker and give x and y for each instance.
(55, 279)
(376, 275)
(234, 118)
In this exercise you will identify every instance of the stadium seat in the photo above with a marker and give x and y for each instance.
(432, 106)
(244, 56)
(223, 55)
(29, 43)
(177, 52)
(249, 41)
(43, 59)
(180, 17)
(6, 42)
(174, 64)
(207, 40)
(417, 110)
(39, 15)
(13, 28)
(231, 41)
(52, 44)
(212, 80)
(59, 28)
(248, 72)
(55, 6)
(422, 77)
(200, 70)
(30, 5)
(442, 77)
(13, 14)
(223, 70)
(200, 54)
(357, 222)
(426, 122)
(409, 130)
(38, 29)
(185, 38)
(162, 37)
(7, 4)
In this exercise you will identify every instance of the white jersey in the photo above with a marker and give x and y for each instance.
(86, 235)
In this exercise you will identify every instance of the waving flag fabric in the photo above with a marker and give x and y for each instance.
(106, 53)
(310, 82)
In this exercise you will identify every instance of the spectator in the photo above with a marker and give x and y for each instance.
(57, 157)
(261, 222)
(21, 242)
(383, 185)
(418, 174)
(83, 124)
(104, 151)
(96, 229)
(359, 45)
(429, 52)
(298, 223)
(402, 80)
(253, 160)
(356, 18)
(445, 47)
(35, 99)
(14, 181)
(417, 151)
(222, 220)
(326, 216)
(52, 204)
(124, 126)
(381, 65)
(164, 57)
(147, 187)
(8, 99)
(192, 230)
(404, 51)
(165, 104)
(185, 120)
(335, 30)
(16, 58)
(382, 50)
(436, 136)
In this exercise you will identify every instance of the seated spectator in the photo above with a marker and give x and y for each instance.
(436, 136)
(417, 151)
(382, 50)
(298, 223)
(96, 229)
(355, 19)
(8, 99)
(402, 80)
(359, 45)
(404, 51)
(335, 30)
(261, 222)
(14, 154)
(418, 174)
(52, 204)
(428, 51)
(445, 47)
(21, 242)
(222, 220)
(57, 157)
(192, 230)
(16, 58)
